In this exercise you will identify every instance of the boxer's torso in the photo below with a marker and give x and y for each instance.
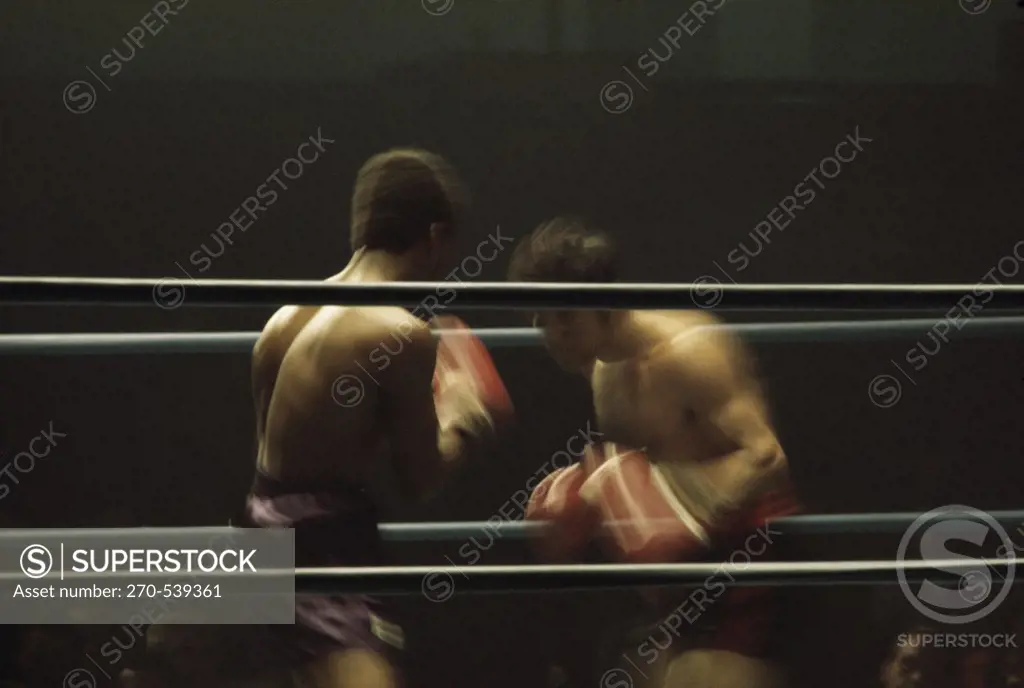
(316, 384)
(638, 405)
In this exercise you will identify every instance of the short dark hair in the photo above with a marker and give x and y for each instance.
(565, 249)
(399, 194)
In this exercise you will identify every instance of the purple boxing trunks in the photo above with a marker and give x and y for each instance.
(333, 527)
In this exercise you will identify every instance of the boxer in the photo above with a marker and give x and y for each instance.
(329, 402)
(710, 470)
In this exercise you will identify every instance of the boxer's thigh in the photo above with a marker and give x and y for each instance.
(352, 669)
(720, 669)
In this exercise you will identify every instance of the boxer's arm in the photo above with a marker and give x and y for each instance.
(715, 384)
(422, 450)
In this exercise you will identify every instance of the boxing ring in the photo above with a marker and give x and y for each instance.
(913, 299)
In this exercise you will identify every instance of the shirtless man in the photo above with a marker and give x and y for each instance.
(686, 392)
(324, 413)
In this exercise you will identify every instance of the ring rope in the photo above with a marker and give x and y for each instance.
(807, 524)
(384, 580)
(84, 291)
(417, 579)
(84, 344)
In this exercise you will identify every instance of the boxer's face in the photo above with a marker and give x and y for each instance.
(572, 337)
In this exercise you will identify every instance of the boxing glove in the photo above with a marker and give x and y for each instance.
(571, 521)
(642, 520)
(467, 388)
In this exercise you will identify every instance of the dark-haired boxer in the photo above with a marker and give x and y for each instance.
(323, 420)
(711, 471)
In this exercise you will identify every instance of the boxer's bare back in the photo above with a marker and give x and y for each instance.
(324, 412)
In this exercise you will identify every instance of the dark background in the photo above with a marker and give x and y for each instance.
(509, 91)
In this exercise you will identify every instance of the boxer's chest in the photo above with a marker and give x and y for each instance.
(638, 408)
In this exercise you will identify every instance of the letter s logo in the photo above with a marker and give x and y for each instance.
(977, 588)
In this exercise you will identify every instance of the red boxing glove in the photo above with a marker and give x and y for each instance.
(463, 362)
(571, 521)
(643, 520)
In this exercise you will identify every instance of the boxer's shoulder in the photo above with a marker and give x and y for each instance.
(669, 324)
(390, 342)
(679, 336)
(372, 326)
(392, 318)
(283, 326)
(276, 340)
(690, 360)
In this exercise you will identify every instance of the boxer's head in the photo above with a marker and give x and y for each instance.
(567, 250)
(409, 204)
